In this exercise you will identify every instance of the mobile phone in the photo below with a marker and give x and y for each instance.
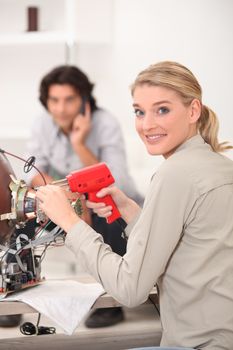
(83, 106)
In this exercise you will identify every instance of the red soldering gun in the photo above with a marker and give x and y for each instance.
(90, 180)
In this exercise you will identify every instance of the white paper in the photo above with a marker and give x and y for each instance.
(65, 302)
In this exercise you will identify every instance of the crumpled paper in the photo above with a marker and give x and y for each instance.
(65, 302)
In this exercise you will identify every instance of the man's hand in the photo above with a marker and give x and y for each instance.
(81, 128)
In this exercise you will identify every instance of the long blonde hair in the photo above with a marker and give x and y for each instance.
(177, 77)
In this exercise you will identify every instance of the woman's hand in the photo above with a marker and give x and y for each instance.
(54, 203)
(127, 207)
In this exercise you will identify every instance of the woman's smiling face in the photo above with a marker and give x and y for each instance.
(163, 121)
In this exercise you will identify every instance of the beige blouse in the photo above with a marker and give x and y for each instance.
(182, 240)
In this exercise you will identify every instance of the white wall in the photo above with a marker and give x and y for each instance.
(197, 33)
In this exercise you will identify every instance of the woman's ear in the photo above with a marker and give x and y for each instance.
(195, 110)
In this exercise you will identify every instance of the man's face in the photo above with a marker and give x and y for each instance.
(63, 103)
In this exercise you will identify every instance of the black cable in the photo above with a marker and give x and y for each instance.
(38, 320)
(153, 302)
(156, 307)
(29, 163)
(28, 328)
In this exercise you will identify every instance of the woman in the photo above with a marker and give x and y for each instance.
(182, 239)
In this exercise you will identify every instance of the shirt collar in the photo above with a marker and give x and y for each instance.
(58, 130)
(194, 141)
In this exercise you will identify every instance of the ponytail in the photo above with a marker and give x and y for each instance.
(174, 76)
(208, 128)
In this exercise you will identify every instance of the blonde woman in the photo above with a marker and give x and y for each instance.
(182, 238)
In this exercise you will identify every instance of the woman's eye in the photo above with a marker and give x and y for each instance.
(163, 110)
(138, 113)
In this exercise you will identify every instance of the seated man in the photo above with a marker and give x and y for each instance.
(74, 133)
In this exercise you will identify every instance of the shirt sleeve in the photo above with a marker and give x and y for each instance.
(152, 241)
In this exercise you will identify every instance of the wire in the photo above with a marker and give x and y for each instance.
(29, 163)
(153, 302)
(156, 307)
(44, 251)
(12, 256)
(28, 328)
(38, 320)
(13, 245)
(42, 228)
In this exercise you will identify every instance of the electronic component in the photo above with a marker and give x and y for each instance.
(20, 266)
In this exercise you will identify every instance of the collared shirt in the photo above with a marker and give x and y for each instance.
(182, 240)
(55, 156)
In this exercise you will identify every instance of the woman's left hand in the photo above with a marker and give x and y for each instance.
(54, 203)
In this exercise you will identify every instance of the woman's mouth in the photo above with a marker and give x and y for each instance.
(155, 137)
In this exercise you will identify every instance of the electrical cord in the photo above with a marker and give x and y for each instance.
(28, 328)
(156, 307)
(153, 301)
(28, 164)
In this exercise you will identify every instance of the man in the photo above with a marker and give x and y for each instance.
(75, 133)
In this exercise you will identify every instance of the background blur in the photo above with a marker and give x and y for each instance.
(112, 40)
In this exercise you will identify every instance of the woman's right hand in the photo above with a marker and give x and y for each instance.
(127, 207)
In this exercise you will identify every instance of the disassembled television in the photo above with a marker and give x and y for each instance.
(24, 236)
(23, 245)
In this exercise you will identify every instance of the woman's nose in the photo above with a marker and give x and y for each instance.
(149, 121)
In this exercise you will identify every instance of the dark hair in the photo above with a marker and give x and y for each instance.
(70, 75)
